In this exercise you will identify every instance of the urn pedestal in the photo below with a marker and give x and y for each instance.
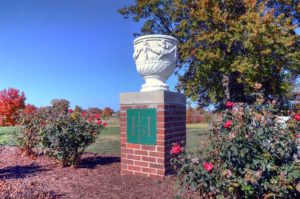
(150, 123)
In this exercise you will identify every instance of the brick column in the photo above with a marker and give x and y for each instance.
(150, 122)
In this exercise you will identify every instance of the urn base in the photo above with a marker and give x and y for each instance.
(154, 84)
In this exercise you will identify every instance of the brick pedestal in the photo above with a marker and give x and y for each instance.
(150, 122)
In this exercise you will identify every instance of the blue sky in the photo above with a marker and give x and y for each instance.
(79, 50)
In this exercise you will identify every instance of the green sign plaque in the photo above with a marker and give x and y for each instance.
(141, 126)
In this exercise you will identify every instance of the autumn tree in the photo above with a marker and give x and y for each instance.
(189, 114)
(227, 47)
(60, 106)
(94, 110)
(29, 109)
(11, 102)
(107, 112)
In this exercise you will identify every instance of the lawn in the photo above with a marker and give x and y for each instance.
(109, 140)
(6, 135)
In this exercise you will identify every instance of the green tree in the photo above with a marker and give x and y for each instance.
(227, 47)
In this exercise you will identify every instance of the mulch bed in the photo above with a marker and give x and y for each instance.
(97, 177)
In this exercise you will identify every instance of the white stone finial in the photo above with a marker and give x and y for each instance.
(155, 57)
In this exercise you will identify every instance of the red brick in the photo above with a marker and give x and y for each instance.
(134, 168)
(140, 152)
(160, 119)
(161, 171)
(123, 140)
(160, 113)
(133, 157)
(134, 146)
(123, 155)
(157, 154)
(160, 131)
(160, 137)
(160, 160)
(125, 150)
(160, 142)
(156, 166)
(143, 164)
(149, 170)
(141, 174)
(123, 145)
(126, 161)
(161, 106)
(160, 125)
(123, 166)
(146, 147)
(126, 172)
(123, 120)
(161, 148)
(149, 159)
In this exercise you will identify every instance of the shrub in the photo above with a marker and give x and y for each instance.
(66, 136)
(28, 133)
(250, 155)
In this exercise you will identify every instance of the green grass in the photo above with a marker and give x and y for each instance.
(6, 135)
(109, 140)
(195, 134)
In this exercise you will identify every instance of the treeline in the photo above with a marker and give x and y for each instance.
(196, 115)
(12, 104)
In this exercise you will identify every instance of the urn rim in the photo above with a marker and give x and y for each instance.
(159, 36)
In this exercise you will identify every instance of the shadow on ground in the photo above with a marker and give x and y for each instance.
(92, 162)
(20, 171)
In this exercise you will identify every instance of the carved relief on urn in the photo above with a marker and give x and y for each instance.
(155, 57)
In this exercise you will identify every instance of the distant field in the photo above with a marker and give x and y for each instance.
(109, 140)
(6, 135)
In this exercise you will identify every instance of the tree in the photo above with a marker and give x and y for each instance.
(94, 110)
(11, 101)
(227, 47)
(29, 109)
(60, 106)
(107, 112)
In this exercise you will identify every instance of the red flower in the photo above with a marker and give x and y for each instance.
(229, 104)
(104, 124)
(228, 124)
(96, 116)
(176, 149)
(297, 117)
(208, 166)
(298, 136)
(84, 114)
(70, 111)
(98, 122)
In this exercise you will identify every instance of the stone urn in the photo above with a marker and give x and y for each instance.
(155, 57)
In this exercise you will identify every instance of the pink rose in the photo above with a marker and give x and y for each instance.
(176, 149)
(228, 124)
(297, 117)
(229, 104)
(208, 166)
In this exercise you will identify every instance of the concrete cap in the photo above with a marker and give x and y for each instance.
(153, 97)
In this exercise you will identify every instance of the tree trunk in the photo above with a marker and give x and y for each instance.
(225, 83)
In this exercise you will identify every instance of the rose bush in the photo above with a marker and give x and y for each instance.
(63, 135)
(66, 136)
(249, 155)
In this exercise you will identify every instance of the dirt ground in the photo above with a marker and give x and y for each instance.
(97, 177)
